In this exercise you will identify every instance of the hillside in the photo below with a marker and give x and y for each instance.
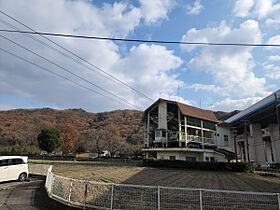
(119, 131)
(225, 115)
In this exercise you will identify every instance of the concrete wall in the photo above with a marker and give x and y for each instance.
(219, 157)
(221, 143)
(256, 144)
(198, 155)
(162, 115)
(275, 141)
(179, 155)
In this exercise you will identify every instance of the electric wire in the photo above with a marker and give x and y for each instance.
(80, 58)
(70, 72)
(61, 76)
(138, 40)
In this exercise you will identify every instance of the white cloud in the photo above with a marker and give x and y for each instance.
(197, 87)
(195, 9)
(262, 9)
(231, 67)
(149, 68)
(146, 68)
(242, 7)
(274, 40)
(274, 57)
(273, 71)
(4, 107)
(229, 104)
(155, 10)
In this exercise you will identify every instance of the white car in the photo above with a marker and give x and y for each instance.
(13, 168)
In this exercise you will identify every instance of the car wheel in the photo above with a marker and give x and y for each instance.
(22, 177)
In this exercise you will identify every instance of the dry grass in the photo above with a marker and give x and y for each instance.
(170, 177)
(112, 174)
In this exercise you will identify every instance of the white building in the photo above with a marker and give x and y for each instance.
(177, 131)
(258, 129)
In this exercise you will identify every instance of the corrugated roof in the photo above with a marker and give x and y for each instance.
(197, 112)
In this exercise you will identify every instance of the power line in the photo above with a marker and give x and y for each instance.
(58, 75)
(80, 58)
(137, 40)
(64, 69)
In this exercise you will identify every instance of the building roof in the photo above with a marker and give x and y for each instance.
(189, 110)
(268, 103)
(197, 112)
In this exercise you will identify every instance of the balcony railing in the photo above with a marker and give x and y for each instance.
(199, 139)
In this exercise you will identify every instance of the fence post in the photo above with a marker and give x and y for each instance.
(278, 194)
(200, 199)
(85, 196)
(52, 181)
(112, 197)
(70, 189)
(158, 197)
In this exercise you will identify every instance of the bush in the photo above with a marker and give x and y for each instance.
(217, 166)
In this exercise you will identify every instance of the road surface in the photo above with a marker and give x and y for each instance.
(22, 195)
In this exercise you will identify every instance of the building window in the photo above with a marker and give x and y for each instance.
(157, 134)
(225, 137)
(172, 158)
(212, 159)
(193, 121)
(207, 159)
(191, 159)
(209, 125)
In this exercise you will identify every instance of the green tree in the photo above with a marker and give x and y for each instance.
(49, 139)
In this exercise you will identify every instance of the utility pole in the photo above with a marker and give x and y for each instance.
(277, 113)
(246, 123)
(234, 133)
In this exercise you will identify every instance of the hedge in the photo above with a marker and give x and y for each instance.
(215, 166)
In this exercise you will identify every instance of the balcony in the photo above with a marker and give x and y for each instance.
(199, 139)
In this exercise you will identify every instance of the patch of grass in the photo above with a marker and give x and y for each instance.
(112, 174)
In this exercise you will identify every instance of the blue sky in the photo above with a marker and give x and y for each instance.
(213, 77)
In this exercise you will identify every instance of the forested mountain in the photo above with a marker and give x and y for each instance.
(225, 115)
(120, 131)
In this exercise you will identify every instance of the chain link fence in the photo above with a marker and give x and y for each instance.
(99, 195)
(38, 169)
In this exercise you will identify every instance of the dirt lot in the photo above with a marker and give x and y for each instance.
(171, 177)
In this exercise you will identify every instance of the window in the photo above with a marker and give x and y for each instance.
(157, 134)
(193, 121)
(225, 137)
(3, 162)
(172, 158)
(218, 134)
(212, 159)
(207, 159)
(209, 125)
(191, 159)
(17, 161)
(163, 133)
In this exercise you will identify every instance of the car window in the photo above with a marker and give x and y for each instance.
(17, 161)
(4, 162)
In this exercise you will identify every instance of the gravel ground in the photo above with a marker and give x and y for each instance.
(171, 177)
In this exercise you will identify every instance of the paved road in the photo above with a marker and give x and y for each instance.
(23, 196)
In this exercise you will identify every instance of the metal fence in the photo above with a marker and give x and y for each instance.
(98, 195)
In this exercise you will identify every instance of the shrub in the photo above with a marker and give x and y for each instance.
(217, 166)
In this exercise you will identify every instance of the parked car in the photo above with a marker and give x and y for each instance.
(13, 168)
